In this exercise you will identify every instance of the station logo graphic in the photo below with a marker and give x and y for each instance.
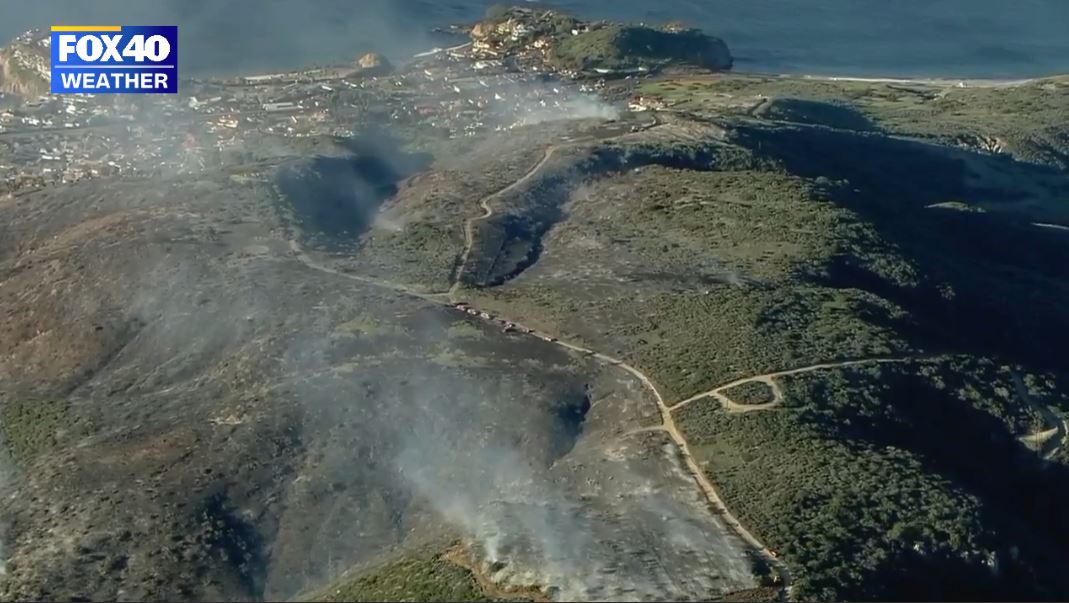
(100, 59)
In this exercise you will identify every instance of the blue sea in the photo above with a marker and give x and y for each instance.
(923, 38)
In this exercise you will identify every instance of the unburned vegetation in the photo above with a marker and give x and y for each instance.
(31, 427)
(894, 481)
(422, 576)
(754, 392)
(697, 274)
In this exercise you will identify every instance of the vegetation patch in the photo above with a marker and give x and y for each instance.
(617, 47)
(704, 277)
(419, 577)
(892, 481)
(754, 392)
(31, 427)
(423, 253)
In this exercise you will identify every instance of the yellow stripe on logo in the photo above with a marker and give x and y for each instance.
(87, 28)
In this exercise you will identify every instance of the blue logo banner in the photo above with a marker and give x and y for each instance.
(110, 59)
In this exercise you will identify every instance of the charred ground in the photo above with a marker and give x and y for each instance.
(302, 362)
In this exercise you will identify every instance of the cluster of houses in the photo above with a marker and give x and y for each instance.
(458, 92)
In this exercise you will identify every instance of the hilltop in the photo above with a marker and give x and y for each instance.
(566, 44)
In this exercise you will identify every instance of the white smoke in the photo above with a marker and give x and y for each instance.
(579, 107)
(500, 500)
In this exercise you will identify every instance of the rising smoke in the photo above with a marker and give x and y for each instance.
(477, 449)
(600, 521)
(584, 106)
(494, 492)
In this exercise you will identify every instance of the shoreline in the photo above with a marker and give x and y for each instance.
(941, 81)
(926, 81)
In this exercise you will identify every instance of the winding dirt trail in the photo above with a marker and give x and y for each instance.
(770, 380)
(488, 211)
(668, 425)
(667, 422)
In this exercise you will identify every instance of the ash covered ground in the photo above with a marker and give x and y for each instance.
(236, 422)
(205, 398)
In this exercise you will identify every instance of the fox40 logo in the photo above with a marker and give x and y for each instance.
(99, 59)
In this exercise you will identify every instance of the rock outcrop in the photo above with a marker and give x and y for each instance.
(373, 62)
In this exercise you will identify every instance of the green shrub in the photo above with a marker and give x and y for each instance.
(32, 427)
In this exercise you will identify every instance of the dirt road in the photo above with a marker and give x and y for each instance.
(777, 393)
(669, 426)
(667, 423)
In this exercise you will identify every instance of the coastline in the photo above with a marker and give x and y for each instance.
(938, 81)
(925, 81)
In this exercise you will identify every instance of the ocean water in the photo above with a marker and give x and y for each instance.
(951, 38)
